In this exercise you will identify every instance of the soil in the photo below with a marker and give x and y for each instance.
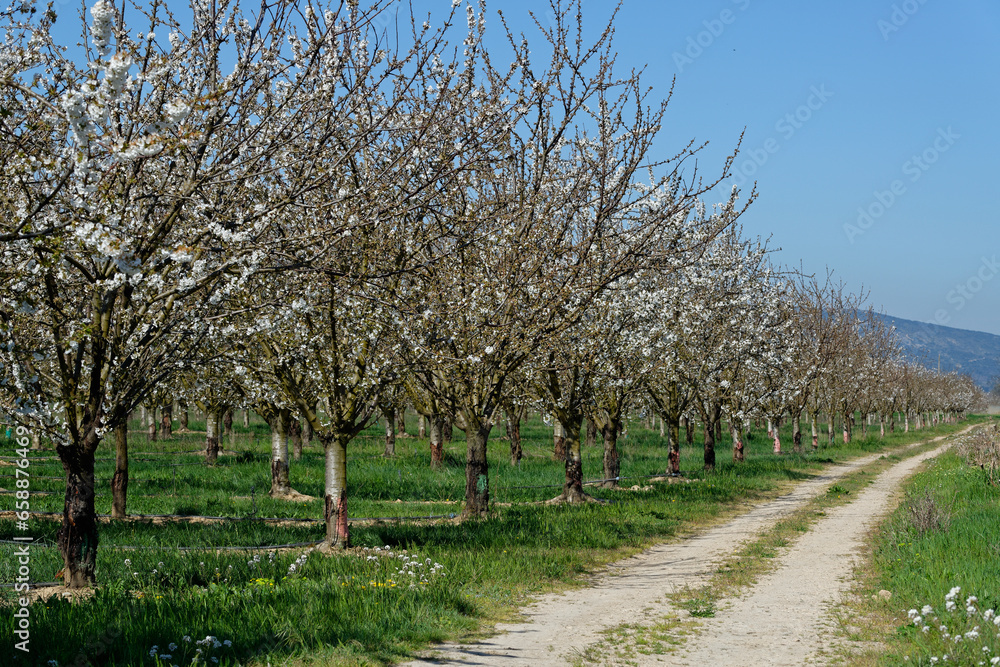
(783, 619)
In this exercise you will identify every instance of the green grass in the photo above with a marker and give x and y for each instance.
(329, 611)
(919, 563)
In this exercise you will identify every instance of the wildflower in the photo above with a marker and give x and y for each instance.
(165, 656)
(926, 610)
(172, 646)
(950, 605)
(128, 562)
(53, 663)
(187, 638)
(995, 660)
(227, 643)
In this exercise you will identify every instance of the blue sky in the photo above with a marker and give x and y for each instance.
(871, 131)
(870, 85)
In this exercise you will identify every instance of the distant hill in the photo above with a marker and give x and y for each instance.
(975, 353)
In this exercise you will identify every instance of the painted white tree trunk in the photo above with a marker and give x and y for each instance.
(335, 493)
(279, 454)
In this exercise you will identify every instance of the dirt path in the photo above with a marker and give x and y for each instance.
(778, 622)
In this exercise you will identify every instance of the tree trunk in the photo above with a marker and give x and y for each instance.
(295, 433)
(401, 423)
(422, 427)
(688, 431)
(881, 425)
(211, 437)
(847, 427)
(777, 436)
(182, 406)
(335, 492)
(389, 414)
(151, 433)
(738, 454)
(119, 482)
(573, 487)
(77, 537)
(591, 433)
(770, 429)
(797, 434)
(718, 429)
(815, 431)
(437, 441)
(892, 422)
(558, 442)
(167, 420)
(446, 430)
(612, 463)
(663, 428)
(477, 481)
(514, 433)
(307, 430)
(674, 444)
(227, 422)
(829, 427)
(246, 420)
(709, 444)
(279, 452)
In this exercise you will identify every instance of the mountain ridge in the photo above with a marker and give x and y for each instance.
(974, 353)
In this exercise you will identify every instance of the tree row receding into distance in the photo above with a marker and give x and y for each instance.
(290, 208)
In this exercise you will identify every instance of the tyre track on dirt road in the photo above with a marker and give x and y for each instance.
(771, 620)
(782, 619)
